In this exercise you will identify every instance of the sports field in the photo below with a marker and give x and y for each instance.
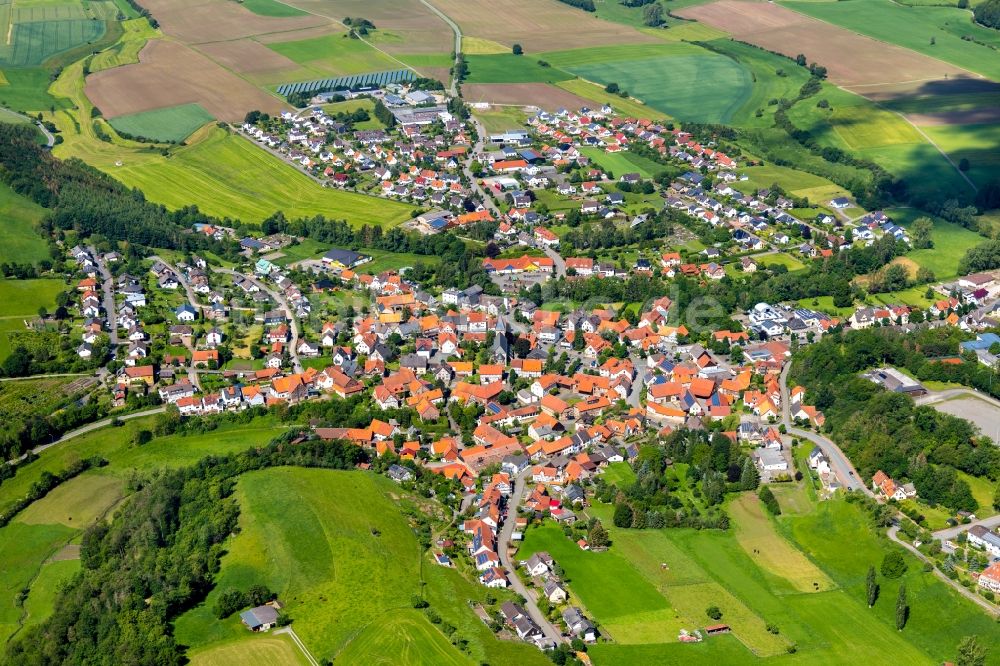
(345, 562)
(18, 217)
(174, 123)
(913, 27)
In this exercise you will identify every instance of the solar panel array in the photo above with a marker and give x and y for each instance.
(356, 80)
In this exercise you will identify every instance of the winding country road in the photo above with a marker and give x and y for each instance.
(50, 140)
(968, 594)
(839, 462)
(453, 89)
(503, 543)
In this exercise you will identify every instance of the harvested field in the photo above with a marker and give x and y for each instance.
(169, 74)
(852, 60)
(538, 26)
(542, 95)
(984, 116)
(197, 21)
(404, 26)
(246, 56)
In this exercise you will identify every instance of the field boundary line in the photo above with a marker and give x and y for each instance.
(298, 642)
(939, 149)
(976, 75)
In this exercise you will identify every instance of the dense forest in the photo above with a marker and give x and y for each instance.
(988, 13)
(81, 198)
(155, 560)
(883, 430)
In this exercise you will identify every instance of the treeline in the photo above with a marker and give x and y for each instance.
(988, 14)
(459, 266)
(654, 500)
(82, 199)
(982, 257)
(156, 560)
(884, 430)
(585, 5)
(47, 481)
(383, 114)
(143, 12)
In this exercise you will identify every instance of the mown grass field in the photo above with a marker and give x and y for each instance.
(44, 588)
(18, 219)
(950, 243)
(265, 650)
(78, 503)
(912, 28)
(509, 68)
(345, 562)
(228, 176)
(126, 50)
(20, 300)
(500, 119)
(25, 89)
(623, 162)
(173, 124)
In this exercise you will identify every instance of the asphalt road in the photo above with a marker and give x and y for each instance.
(279, 298)
(108, 287)
(503, 541)
(560, 263)
(968, 594)
(952, 532)
(477, 149)
(453, 89)
(839, 462)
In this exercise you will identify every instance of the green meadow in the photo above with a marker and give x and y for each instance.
(950, 243)
(509, 68)
(345, 562)
(803, 573)
(173, 124)
(623, 162)
(913, 27)
(334, 55)
(18, 219)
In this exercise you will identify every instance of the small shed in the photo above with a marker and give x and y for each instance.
(260, 618)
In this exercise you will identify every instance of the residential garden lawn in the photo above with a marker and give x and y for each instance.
(341, 556)
(756, 533)
(228, 176)
(623, 162)
(335, 55)
(77, 503)
(509, 68)
(780, 258)
(173, 124)
(19, 217)
(271, 8)
(125, 51)
(620, 474)
(42, 597)
(913, 296)
(500, 119)
(950, 242)
(252, 650)
(23, 548)
(825, 304)
(912, 28)
(979, 144)
(627, 106)
(936, 518)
